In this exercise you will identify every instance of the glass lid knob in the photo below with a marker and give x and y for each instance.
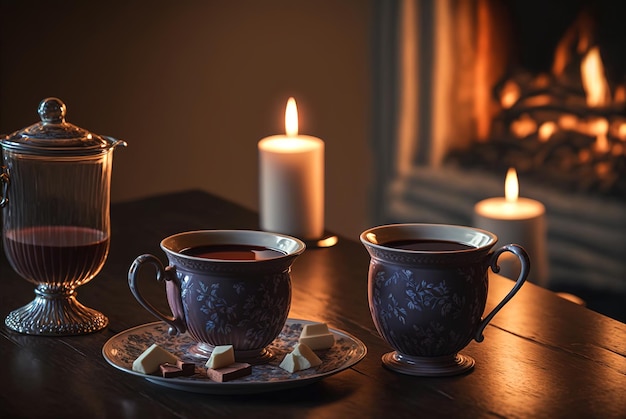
(52, 111)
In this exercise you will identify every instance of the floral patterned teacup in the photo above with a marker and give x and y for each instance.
(427, 290)
(224, 299)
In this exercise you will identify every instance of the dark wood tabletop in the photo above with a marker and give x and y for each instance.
(542, 356)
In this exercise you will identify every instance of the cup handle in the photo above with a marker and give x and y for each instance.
(493, 262)
(168, 273)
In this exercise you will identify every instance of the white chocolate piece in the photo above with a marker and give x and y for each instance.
(150, 360)
(318, 342)
(306, 357)
(314, 329)
(222, 356)
(316, 336)
(301, 358)
(290, 363)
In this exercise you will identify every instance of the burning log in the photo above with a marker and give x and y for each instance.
(563, 130)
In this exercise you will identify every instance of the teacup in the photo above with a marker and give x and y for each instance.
(427, 290)
(224, 287)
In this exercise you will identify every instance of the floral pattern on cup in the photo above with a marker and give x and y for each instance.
(247, 314)
(426, 316)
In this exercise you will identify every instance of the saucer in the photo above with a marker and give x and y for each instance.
(122, 349)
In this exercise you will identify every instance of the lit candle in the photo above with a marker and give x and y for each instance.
(516, 220)
(291, 181)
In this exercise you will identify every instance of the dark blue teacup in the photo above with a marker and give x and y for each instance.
(224, 287)
(427, 290)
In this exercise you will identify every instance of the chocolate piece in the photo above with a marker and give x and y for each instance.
(181, 369)
(221, 356)
(148, 362)
(231, 372)
(188, 368)
(316, 336)
(170, 370)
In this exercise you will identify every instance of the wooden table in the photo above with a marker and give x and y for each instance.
(542, 355)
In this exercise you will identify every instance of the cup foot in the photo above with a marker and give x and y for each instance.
(254, 357)
(55, 315)
(428, 366)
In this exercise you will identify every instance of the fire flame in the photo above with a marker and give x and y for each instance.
(594, 80)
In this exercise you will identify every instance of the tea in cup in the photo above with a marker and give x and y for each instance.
(427, 291)
(224, 287)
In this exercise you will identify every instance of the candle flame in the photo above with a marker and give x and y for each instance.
(291, 118)
(511, 186)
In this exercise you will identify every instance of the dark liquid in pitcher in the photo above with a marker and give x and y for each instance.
(232, 252)
(428, 245)
(56, 254)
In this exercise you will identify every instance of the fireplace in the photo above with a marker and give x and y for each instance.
(563, 125)
(468, 89)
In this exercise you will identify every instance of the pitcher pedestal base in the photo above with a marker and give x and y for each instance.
(55, 315)
(428, 366)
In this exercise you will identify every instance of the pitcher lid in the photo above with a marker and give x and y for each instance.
(54, 136)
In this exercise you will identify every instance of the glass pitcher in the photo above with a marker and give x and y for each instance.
(55, 198)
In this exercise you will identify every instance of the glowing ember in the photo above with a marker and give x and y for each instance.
(595, 127)
(568, 121)
(546, 130)
(540, 100)
(523, 127)
(603, 169)
(510, 94)
(602, 144)
(620, 94)
(621, 132)
(584, 156)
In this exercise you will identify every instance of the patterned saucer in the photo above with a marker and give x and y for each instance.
(122, 349)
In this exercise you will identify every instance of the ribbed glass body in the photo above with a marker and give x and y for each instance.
(56, 221)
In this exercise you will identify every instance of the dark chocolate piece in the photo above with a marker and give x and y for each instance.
(188, 368)
(170, 370)
(181, 369)
(231, 372)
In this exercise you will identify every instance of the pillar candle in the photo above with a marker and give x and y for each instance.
(291, 181)
(520, 221)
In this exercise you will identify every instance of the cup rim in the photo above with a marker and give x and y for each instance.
(376, 237)
(289, 246)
